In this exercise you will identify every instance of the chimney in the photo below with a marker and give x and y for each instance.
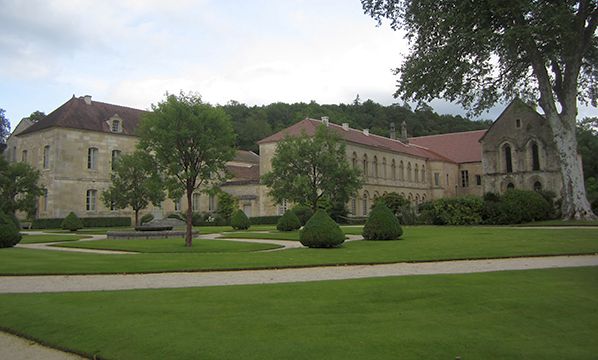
(87, 99)
(404, 137)
(366, 132)
(393, 131)
(346, 126)
(325, 120)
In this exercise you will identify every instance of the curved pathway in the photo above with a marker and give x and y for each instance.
(72, 283)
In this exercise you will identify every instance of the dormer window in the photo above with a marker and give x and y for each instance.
(518, 123)
(115, 126)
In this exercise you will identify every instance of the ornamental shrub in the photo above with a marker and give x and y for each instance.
(9, 233)
(464, 210)
(516, 207)
(382, 224)
(72, 222)
(321, 232)
(303, 213)
(288, 222)
(146, 218)
(239, 220)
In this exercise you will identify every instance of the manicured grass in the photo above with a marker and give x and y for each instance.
(171, 245)
(89, 231)
(35, 239)
(537, 314)
(274, 235)
(562, 223)
(202, 229)
(419, 244)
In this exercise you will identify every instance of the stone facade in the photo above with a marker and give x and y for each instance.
(74, 148)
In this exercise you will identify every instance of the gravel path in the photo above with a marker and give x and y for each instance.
(71, 283)
(17, 348)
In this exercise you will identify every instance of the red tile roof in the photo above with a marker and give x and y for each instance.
(309, 126)
(77, 114)
(245, 156)
(460, 147)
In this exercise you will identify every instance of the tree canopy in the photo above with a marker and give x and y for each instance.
(4, 127)
(190, 142)
(480, 52)
(19, 187)
(135, 183)
(306, 169)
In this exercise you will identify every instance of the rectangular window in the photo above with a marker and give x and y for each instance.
(282, 208)
(212, 203)
(115, 157)
(90, 203)
(354, 206)
(115, 126)
(43, 206)
(464, 178)
(478, 180)
(177, 205)
(24, 156)
(92, 158)
(47, 157)
(436, 179)
(195, 202)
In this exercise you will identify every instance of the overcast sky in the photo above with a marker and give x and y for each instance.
(130, 52)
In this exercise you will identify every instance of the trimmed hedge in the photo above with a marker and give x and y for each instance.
(56, 223)
(239, 220)
(71, 222)
(9, 233)
(288, 222)
(321, 232)
(264, 220)
(382, 224)
(303, 213)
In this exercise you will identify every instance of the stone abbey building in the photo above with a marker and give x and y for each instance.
(75, 146)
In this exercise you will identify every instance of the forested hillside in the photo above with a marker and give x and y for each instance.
(256, 122)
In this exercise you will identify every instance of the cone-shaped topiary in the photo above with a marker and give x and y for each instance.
(382, 224)
(72, 222)
(303, 213)
(9, 234)
(321, 232)
(239, 220)
(288, 222)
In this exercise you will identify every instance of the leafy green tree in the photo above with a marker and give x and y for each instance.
(394, 201)
(135, 183)
(191, 142)
(587, 145)
(227, 204)
(19, 187)
(72, 222)
(478, 53)
(308, 168)
(4, 127)
(9, 232)
(37, 116)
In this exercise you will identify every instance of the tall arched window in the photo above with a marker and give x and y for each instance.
(393, 170)
(375, 167)
(423, 174)
(535, 157)
(409, 173)
(416, 178)
(365, 165)
(90, 201)
(365, 203)
(537, 186)
(384, 175)
(354, 206)
(401, 171)
(46, 156)
(92, 158)
(354, 160)
(508, 159)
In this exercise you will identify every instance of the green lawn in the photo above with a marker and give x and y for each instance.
(35, 239)
(537, 314)
(419, 244)
(171, 245)
(202, 229)
(559, 222)
(274, 235)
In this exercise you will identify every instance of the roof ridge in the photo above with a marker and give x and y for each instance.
(116, 105)
(361, 131)
(445, 134)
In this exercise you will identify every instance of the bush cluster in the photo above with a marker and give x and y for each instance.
(321, 232)
(56, 223)
(382, 224)
(288, 222)
(9, 233)
(516, 207)
(303, 213)
(466, 210)
(72, 222)
(239, 220)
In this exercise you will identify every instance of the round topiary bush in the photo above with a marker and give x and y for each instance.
(239, 220)
(9, 233)
(382, 224)
(71, 222)
(321, 232)
(288, 222)
(146, 218)
(303, 213)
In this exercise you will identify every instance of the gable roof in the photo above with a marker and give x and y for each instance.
(462, 147)
(512, 104)
(244, 156)
(77, 114)
(309, 126)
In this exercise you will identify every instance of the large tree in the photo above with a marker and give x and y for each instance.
(135, 183)
(306, 169)
(481, 52)
(4, 127)
(19, 187)
(191, 142)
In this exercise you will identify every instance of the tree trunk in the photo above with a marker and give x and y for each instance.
(575, 205)
(189, 230)
(136, 218)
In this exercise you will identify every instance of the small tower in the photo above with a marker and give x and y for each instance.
(404, 137)
(393, 131)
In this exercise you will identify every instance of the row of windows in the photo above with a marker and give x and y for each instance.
(414, 173)
(533, 152)
(92, 157)
(465, 179)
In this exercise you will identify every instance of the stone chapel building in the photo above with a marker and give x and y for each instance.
(75, 146)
